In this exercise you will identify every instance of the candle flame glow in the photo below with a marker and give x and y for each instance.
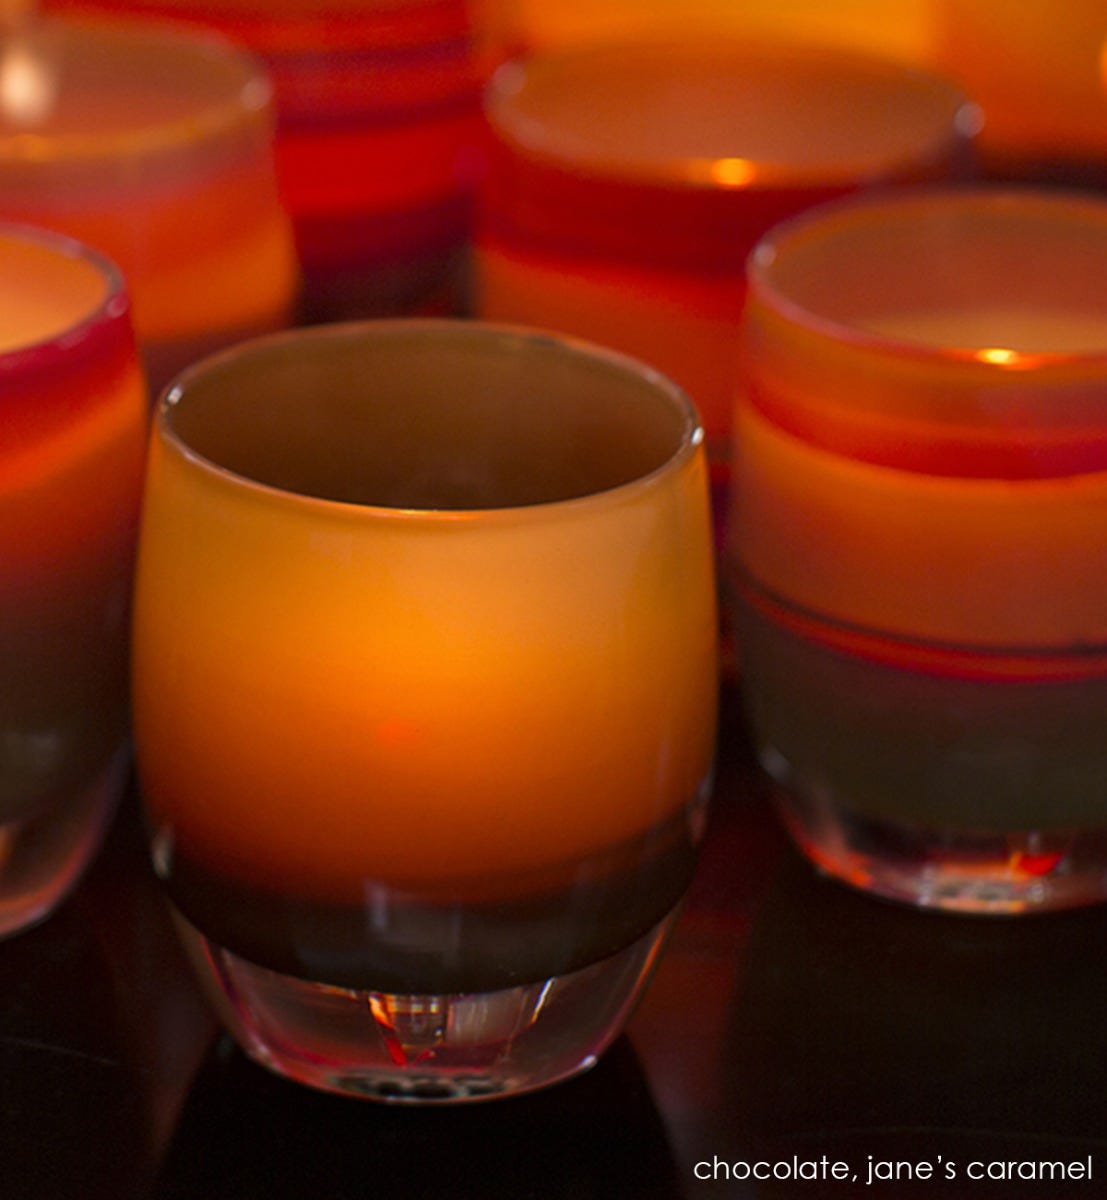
(28, 87)
(998, 355)
(733, 172)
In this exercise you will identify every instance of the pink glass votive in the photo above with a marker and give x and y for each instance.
(153, 145)
(378, 139)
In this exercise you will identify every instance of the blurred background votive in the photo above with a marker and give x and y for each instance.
(1037, 68)
(1039, 72)
(627, 182)
(154, 146)
(918, 540)
(378, 139)
(71, 451)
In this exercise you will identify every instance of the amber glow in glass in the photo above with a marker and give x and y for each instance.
(425, 695)
(628, 182)
(72, 434)
(919, 540)
(154, 146)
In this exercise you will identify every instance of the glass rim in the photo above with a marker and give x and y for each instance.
(251, 99)
(111, 307)
(685, 447)
(735, 173)
(827, 221)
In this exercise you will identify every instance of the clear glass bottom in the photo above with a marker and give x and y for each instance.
(44, 855)
(426, 1049)
(952, 778)
(955, 870)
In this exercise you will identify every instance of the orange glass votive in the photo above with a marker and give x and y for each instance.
(919, 542)
(1039, 72)
(627, 184)
(378, 141)
(154, 146)
(425, 691)
(72, 435)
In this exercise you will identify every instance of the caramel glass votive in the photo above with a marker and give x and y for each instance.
(155, 146)
(72, 436)
(919, 543)
(425, 693)
(628, 182)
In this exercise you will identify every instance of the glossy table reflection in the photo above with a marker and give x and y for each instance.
(790, 1017)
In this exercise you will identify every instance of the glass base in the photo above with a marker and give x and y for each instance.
(43, 856)
(953, 870)
(426, 1049)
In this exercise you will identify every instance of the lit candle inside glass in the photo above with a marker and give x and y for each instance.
(155, 148)
(71, 453)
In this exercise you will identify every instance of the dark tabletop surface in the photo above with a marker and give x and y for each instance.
(792, 1020)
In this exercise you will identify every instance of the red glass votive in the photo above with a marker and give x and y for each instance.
(628, 182)
(72, 437)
